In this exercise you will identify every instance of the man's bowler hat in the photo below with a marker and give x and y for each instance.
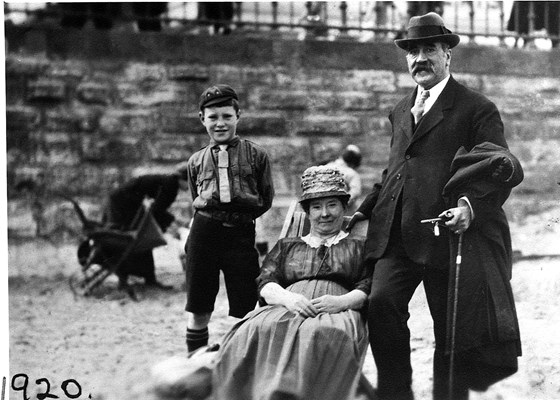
(427, 28)
(216, 94)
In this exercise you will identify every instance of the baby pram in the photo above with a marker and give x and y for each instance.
(103, 250)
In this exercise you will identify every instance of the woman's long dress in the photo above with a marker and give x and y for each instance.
(274, 353)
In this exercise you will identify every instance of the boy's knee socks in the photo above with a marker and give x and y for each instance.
(196, 338)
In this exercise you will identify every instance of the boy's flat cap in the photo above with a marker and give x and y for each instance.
(216, 94)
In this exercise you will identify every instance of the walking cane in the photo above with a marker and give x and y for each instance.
(436, 222)
(454, 314)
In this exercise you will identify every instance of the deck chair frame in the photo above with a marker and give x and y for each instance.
(144, 234)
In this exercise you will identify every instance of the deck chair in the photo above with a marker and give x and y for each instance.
(105, 250)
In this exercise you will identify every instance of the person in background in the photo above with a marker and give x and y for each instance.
(35, 194)
(348, 163)
(122, 206)
(231, 185)
(432, 129)
(219, 11)
(148, 15)
(76, 15)
(546, 14)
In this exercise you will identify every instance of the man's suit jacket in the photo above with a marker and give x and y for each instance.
(419, 167)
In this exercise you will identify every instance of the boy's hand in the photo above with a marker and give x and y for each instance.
(357, 217)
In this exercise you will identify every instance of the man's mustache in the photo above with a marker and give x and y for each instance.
(422, 67)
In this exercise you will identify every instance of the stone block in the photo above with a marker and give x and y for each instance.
(26, 65)
(91, 92)
(91, 179)
(138, 72)
(388, 101)
(504, 85)
(404, 81)
(264, 123)
(87, 117)
(471, 81)
(136, 122)
(369, 80)
(375, 126)
(261, 76)
(289, 158)
(541, 166)
(173, 148)
(358, 100)
(510, 107)
(60, 120)
(325, 149)
(118, 149)
(58, 149)
(21, 118)
(173, 118)
(521, 129)
(46, 90)
(68, 70)
(188, 73)
(229, 74)
(15, 89)
(323, 125)
(347, 55)
(283, 100)
(192, 125)
(151, 93)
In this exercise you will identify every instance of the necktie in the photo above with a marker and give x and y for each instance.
(223, 164)
(418, 109)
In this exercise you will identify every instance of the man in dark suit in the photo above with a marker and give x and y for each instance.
(429, 126)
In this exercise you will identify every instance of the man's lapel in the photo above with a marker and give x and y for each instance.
(406, 119)
(433, 117)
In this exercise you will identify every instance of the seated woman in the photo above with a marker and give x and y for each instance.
(310, 339)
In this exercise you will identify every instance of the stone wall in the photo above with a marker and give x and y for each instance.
(90, 109)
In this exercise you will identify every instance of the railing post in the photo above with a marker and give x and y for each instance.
(531, 26)
(344, 18)
(237, 12)
(471, 19)
(274, 16)
(502, 23)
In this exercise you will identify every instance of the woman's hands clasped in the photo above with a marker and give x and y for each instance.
(311, 308)
(301, 305)
(329, 304)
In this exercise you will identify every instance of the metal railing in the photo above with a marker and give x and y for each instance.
(506, 23)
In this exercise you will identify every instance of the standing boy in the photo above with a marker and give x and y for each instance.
(231, 185)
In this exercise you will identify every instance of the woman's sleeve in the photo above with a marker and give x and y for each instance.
(271, 270)
(365, 270)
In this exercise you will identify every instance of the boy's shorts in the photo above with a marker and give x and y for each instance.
(212, 247)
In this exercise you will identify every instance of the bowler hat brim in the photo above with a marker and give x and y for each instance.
(450, 38)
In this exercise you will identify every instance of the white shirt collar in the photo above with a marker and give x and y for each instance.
(314, 241)
(434, 93)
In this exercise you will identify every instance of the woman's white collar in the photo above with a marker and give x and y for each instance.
(315, 242)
